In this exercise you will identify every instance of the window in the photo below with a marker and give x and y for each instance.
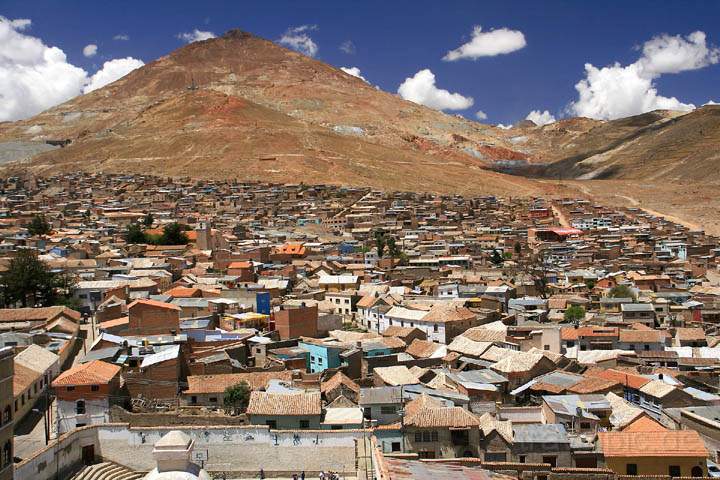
(80, 407)
(7, 415)
(95, 388)
(213, 399)
(69, 389)
(460, 437)
(435, 327)
(631, 469)
(426, 454)
(674, 470)
(388, 409)
(395, 446)
(418, 437)
(584, 426)
(552, 460)
(7, 456)
(272, 424)
(521, 458)
(305, 424)
(193, 399)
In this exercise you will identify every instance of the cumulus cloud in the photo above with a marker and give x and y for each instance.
(354, 71)
(617, 91)
(34, 76)
(298, 39)
(348, 47)
(540, 118)
(111, 71)
(488, 44)
(480, 115)
(195, 36)
(122, 37)
(421, 89)
(90, 50)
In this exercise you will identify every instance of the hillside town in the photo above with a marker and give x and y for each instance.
(154, 326)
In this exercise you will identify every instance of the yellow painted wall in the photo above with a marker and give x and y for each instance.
(655, 465)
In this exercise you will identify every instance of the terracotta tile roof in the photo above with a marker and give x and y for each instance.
(23, 378)
(263, 403)
(184, 292)
(239, 265)
(690, 334)
(593, 385)
(642, 336)
(116, 322)
(154, 303)
(442, 313)
(96, 372)
(422, 348)
(624, 378)
(339, 379)
(644, 423)
(393, 342)
(670, 443)
(572, 333)
(425, 413)
(219, 382)
(36, 314)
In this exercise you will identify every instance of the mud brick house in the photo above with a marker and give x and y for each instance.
(157, 374)
(85, 394)
(297, 322)
(150, 317)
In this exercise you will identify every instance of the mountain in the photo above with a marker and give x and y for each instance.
(655, 146)
(241, 106)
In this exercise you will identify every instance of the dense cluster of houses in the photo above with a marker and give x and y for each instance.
(512, 331)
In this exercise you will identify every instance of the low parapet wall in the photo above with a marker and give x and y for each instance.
(237, 450)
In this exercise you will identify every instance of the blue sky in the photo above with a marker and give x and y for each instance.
(395, 39)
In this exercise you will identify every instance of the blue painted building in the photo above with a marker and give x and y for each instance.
(321, 357)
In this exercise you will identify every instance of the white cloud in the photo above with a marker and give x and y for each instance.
(298, 39)
(710, 102)
(675, 54)
(540, 118)
(35, 77)
(348, 47)
(354, 71)
(480, 115)
(111, 71)
(488, 44)
(90, 50)
(421, 89)
(617, 91)
(195, 36)
(123, 37)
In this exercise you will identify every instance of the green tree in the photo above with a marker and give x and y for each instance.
(27, 281)
(380, 243)
(148, 220)
(237, 397)
(574, 313)
(496, 258)
(173, 234)
(393, 249)
(590, 283)
(39, 226)
(621, 291)
(135, 234)
(517, 248)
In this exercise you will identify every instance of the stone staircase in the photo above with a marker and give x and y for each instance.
(107, 471)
